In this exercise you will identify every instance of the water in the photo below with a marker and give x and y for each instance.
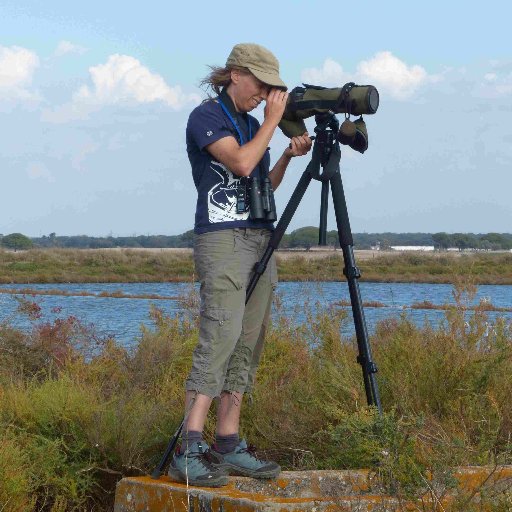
(123, 317)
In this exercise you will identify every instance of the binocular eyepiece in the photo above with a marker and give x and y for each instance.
(351, 99)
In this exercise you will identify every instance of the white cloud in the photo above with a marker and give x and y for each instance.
(387, 72)
(122, 80)
(392, 75)
(494, 86)
(17, 66)
(497, 82)
(66, 47)
(331, 74)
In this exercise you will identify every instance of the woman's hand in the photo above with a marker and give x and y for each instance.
(299, 146)
(275, 105)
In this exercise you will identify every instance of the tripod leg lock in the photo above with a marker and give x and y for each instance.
(352, 272)
(369, 366)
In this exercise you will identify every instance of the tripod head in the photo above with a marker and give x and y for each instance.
(326, 148)
(326, 128)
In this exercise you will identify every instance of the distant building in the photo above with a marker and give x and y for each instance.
(318, 248)
(412, 247)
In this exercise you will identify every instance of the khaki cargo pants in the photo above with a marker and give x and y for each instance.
(231, 334)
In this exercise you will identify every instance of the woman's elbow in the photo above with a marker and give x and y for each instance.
(242, 169)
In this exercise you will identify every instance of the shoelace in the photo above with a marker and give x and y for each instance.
(206, 458)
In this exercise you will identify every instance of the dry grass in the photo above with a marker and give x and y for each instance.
(161, 265)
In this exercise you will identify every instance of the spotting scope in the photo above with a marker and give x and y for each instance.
(314, 100)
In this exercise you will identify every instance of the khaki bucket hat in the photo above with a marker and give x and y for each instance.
(260, 62)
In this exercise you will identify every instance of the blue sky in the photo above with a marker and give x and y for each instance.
(94, 99)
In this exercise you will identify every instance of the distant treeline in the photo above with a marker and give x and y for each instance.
(300, 238)
(94, 242)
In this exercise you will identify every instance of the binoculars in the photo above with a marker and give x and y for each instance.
(351, 99)
(257, 196)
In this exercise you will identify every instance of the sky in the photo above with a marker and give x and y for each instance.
(95, 96)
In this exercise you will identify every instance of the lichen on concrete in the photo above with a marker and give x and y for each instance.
(293, 491)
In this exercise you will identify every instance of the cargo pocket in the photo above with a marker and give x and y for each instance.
(216, 330)
(212, 351)
(217, 315)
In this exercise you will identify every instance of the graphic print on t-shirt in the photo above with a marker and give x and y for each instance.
(222, 196)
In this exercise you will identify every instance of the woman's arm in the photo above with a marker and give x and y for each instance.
(241, 160)
(299, 146)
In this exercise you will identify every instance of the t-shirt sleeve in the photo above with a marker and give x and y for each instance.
(205, 126)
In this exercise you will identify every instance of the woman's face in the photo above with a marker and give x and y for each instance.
(247, 91)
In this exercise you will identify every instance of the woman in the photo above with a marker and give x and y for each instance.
(228, 152)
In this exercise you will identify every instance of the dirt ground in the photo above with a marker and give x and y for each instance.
(314, 254)
(363, 254)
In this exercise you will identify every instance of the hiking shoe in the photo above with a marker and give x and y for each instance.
(243, 461)
(198, 466)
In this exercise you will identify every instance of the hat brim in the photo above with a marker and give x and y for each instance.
(269, 78)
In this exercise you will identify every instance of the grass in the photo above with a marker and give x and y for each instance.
(404, 268)
(80, 266)
(78, 411)
(76, 266)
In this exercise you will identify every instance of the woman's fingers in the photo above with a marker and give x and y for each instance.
(300, 145)
(276, 103)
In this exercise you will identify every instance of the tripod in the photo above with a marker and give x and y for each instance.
(326, 156)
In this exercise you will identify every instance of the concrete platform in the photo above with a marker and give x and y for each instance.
(293, 491)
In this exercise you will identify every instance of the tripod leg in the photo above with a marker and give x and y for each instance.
(168, 452)
(279, 231)
(352, 274)
(324, 203)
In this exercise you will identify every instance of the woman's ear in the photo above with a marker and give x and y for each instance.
(235, 75)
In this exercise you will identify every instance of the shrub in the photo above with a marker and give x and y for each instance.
(78, 412)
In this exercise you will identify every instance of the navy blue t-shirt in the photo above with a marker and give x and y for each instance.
(216, 185)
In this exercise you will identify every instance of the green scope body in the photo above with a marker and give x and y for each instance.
(310, 100)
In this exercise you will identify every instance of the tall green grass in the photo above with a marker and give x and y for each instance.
(78, 411)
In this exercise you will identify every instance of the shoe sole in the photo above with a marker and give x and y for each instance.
(219, 481)
(240, 471)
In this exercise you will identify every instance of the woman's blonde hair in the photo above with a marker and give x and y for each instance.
(219, 78)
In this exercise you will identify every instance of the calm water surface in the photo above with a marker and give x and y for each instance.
(123, 317)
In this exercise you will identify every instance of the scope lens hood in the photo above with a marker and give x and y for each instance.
(373, 99)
